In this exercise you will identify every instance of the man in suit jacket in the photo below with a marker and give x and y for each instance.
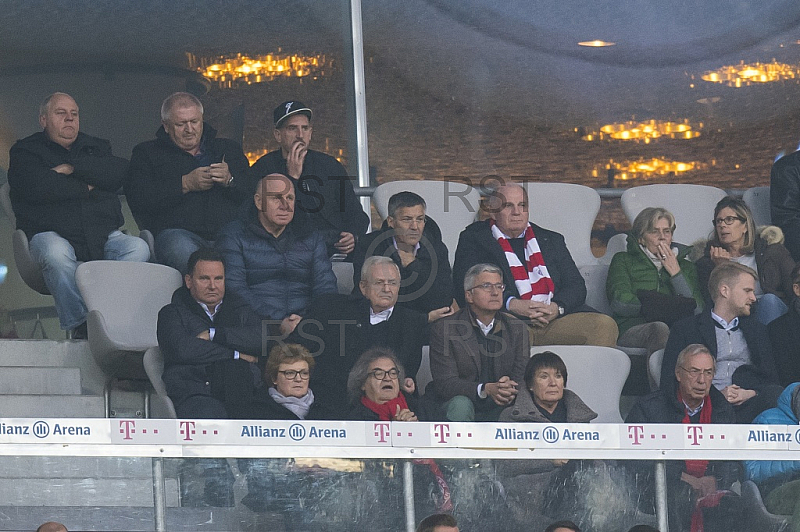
(542, 284)
(745, 368)
(339, 328)
(478, 355)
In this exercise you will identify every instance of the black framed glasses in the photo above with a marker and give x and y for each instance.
(292, 374)
(380, 374)
(728, 220)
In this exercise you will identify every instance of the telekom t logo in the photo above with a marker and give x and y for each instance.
(441, 431)
(381, 432)
(636, 433)
(695, 433)
(187, 430)
(127, 427)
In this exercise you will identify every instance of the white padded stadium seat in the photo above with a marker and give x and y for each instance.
(616, 244)
(452, 205)
(692, 206)
(424, 373)
(757, 198)
(154, 366)
(595, 277)
(568, 209)
(596, 374)
(654, 366)
(344, 276)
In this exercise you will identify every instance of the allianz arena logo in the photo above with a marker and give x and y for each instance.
(297, 432)
(41, 429)
(550, 434)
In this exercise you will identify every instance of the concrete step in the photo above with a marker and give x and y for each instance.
(92, 492)
(55, 353)
(39, 406)
(40, 381)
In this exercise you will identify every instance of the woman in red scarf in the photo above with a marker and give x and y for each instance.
(374, 388)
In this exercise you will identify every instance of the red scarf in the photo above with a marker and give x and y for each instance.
(532, 280)
(387, 410)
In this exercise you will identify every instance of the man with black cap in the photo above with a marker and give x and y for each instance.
(324, 190)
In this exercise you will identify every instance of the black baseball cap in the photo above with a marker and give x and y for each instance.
(287, 109)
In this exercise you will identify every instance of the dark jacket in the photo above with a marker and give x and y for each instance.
(427, 282)
(477, 245)
(189, 362)
(337, 330)
(784, 199)
(632, 270)
(456, 356)
(154, 186)
(784, 336)
(45, 200)
(359, 412)
(663, 407)
(773, 261)
(262, 406)
(700, 329)
(324, 191)
(275, 276)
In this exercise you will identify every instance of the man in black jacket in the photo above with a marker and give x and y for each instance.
(542, 284)
(745, 366)
(339, 328)
(324, 190)
(413, 241)
(64, 192)
(201, 331)
(187, 183)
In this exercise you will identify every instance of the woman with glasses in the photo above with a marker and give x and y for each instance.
(288, 396)
(652, 284)
(735, 237)
(373, 388)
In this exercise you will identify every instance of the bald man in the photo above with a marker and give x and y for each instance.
(275, 261)
(542, 285)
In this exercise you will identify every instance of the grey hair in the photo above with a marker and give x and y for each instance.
(45, 105)
(475, 271)
(360, 372)
(373, 261)
(179, 100)
(693, 350)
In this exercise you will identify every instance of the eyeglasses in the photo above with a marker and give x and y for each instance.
(695, 373)
(728, 220)
(292, 374)
(488, 287)
(380, 374)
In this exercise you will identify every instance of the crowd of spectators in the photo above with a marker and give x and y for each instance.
(255, 245)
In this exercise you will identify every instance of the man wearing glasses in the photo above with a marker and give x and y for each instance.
(339, 328)
(694, 401)
(745, 368)
(478, 355)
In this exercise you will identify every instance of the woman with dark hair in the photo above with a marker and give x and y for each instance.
(652, 284)
(288, 397)
(373, 388)
(735, 238)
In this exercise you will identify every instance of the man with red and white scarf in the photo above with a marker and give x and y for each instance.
(694, 487)
(542, 284)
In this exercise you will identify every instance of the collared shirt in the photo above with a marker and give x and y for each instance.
(485, 329)
(416, 247)
(376, 318)
(695, 411)
(725, 325)
(211, 330)
(732, 350)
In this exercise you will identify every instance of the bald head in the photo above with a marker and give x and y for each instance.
(59, 119)
(274, 199)
(52, 526)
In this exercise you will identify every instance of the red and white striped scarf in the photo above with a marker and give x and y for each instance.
(532, 280)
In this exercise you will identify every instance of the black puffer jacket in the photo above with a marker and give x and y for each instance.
(45, 200)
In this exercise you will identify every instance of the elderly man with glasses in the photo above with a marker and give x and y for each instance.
(478, 355)
(694, 400)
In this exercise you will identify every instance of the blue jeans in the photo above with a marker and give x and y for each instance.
(770, 307)
(56, 258)
(174, 246)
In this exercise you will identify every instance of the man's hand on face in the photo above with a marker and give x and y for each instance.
(346, 243)
(197, 180)
(295, 159)
(503, 392)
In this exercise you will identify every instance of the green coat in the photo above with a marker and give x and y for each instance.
(632, 270)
